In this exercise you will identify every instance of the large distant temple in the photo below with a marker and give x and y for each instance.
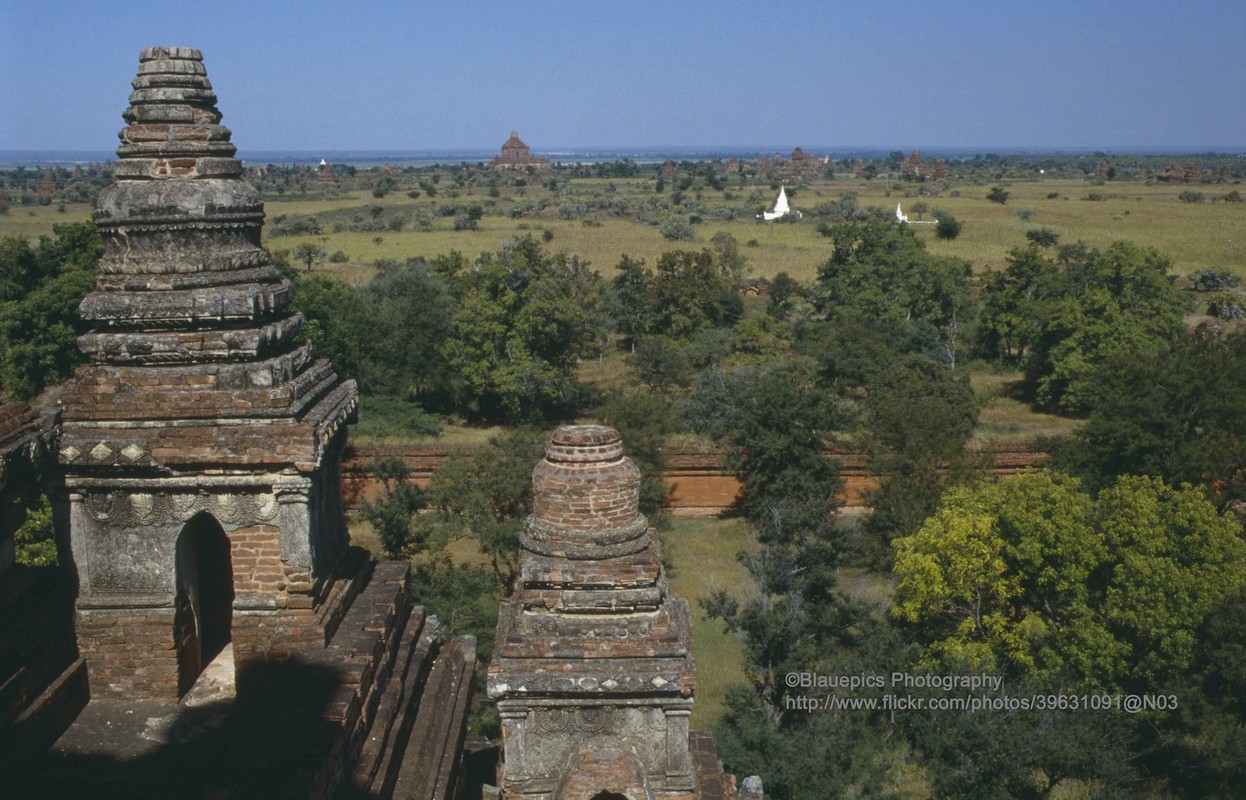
(516, 155)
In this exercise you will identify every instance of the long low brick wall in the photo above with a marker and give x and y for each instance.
(700, 485)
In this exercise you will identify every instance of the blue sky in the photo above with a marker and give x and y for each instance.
(418, 75)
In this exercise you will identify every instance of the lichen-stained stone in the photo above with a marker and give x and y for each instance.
(200, 400)
(594, 656)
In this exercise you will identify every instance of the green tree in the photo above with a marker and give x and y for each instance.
(758, 338)
(408, 319)
(42, 288)
(1061, 317)
(998, 194)
(918, 418)
(776, 422)
(727, 254)
(1179, 414)
(307, 254)
(881, 271)
(486, 494)
(947, 226)
(35, 539)
(689, 293)
(1043, 237)
(677, 228)
(523, 320)
(1034, 576)
(629, 306)
(393, 515)
(336, 319)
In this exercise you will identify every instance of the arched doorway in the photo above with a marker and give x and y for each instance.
(203, 605)
(605, 795)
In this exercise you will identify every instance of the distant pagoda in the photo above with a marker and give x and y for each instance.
(517, 156)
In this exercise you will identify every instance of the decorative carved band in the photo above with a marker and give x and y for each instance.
(134, 510)
(598, 719)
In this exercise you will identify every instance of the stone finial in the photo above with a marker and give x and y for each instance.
(179, 204)
(174, 126)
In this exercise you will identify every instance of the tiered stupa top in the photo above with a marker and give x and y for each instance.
(192, 326)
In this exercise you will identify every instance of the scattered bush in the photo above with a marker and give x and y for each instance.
(1043, 237)
(946, 226)
(676, 229)
(1227, 305)
(1212, 280)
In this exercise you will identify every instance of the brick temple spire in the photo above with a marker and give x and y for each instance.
(201, 442)
(593, 671)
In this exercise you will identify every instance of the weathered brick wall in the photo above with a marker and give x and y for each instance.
(255, 555)
(131, 652)
(699, 484)
(604, 770)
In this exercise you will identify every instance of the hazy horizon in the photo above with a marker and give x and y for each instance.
(10, 159)
(327, 77)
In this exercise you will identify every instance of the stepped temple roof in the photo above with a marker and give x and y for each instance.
(516, 155)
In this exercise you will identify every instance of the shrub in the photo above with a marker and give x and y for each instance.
(1212, 280)
(946, 226)
(676, 229)
(1227, 305)
(1043, 237)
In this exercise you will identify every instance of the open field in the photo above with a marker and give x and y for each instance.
(1194, 235)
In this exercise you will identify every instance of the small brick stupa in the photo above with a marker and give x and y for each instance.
(593, 670)
(201, 443)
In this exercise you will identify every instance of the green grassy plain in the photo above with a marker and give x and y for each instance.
(703, 555)
(1194, 235)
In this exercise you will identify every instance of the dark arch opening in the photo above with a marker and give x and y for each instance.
(607, 795)
(204, 603)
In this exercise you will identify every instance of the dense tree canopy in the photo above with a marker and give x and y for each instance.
(776, 422)
(1179, 414)
(881, 271)
(40, 289)
(1059, 317)
(1034, 576)
(919, 415)
(522, 321)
